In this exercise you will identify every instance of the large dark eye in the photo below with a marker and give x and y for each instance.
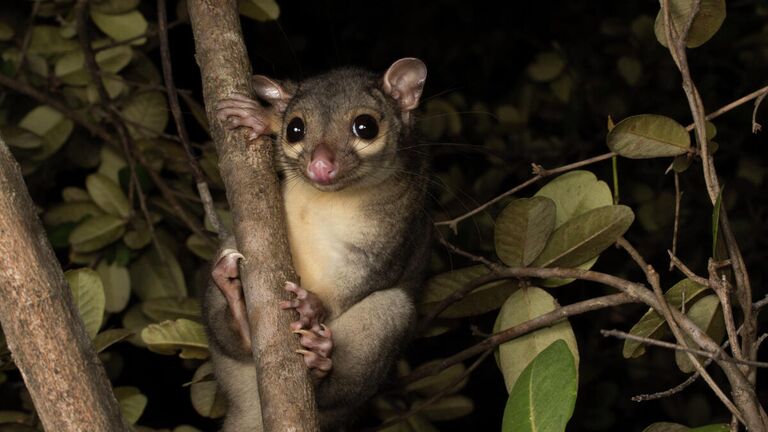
(365, 127)
(295, 131)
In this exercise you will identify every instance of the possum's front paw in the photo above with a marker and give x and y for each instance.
(226, 277)
(241, 111)
(315, 337)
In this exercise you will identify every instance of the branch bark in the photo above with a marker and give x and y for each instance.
(253, 192)
(46, 336)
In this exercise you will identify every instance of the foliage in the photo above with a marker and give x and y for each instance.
(136, 266)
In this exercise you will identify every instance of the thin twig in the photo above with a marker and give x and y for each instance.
(720, 286)
(541, 321)
(173, 101)
(663, 344)
(437, 396)
(676, 226)
(539, 173)
(686, 271)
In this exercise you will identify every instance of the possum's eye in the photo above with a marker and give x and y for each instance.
(295, 131)
(365, 127)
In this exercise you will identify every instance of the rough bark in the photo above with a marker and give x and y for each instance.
(46, 336)
(287, 396)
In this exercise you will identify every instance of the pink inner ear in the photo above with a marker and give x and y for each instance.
(404, 82)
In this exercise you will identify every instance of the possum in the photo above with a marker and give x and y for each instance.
(354, 186)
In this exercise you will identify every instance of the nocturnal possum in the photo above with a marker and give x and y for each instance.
(354, 188)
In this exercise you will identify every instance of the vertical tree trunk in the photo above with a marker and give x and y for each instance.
(287, 399)
(46, 336)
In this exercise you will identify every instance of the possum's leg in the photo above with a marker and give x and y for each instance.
(367, 339)
(316, 339)
(237, 380)
(226, 277)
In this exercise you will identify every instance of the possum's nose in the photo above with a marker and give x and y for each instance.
(322, 168)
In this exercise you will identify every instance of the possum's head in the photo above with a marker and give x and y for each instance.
(347, 127)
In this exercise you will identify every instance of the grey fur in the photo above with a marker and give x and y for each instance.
(370, 286)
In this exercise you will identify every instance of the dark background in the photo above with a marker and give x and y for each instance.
(477, 53)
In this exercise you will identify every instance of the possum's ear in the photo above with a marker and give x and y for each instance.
(277, 94)
(404, 82)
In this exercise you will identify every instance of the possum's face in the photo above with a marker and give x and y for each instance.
(347, 128)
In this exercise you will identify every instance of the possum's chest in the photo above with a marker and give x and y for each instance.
(328, 234)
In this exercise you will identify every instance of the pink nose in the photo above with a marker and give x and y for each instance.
(322, 167)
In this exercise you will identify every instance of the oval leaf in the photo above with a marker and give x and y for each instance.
(108, 195)
(132, 403)
(545, 395)
(88, 296)
(120, 27)
(575, 193)
(206, 397)
(706, 23)
(182, 335)
(110, 337)
(481, 300)
(707, 314)
(157, 274)
(117, 285)
(96, 232)
(49, 124)
(70, 212)
(147, 114)
(522, 230)
(648, 136)
(448, 408)
(161, 309)
(260, 10)
(515, 355)
(652, 325)
(434, 384)
(585, 236)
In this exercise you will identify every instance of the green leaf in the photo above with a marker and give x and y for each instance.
(135, 321)
(201, 247)
(575, 193)
(123, 26)
(585, 236)
(545, 395)
(182, 335)
(652, 325)
(138, 235)
(157, 274)
(260, 10)
(674, 427)
(448, 408)
(522, 230)
(70, 212)
(111, 163)
(48, 41)
(483, 299)
(630, 69)
(207, 400)
(114, 6)
(108, 195)
(96, 232)
(49, 124)
(110, 337)
(161, 309)
(648, 136)
(524, 305)
(132, 403)
(88, 296)
(6, 31)
(706, 23)
(117, 285)
(147, 114)
(75, 194)
(546, 67)
(707, 314)
(21, 138)
(434, 384)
